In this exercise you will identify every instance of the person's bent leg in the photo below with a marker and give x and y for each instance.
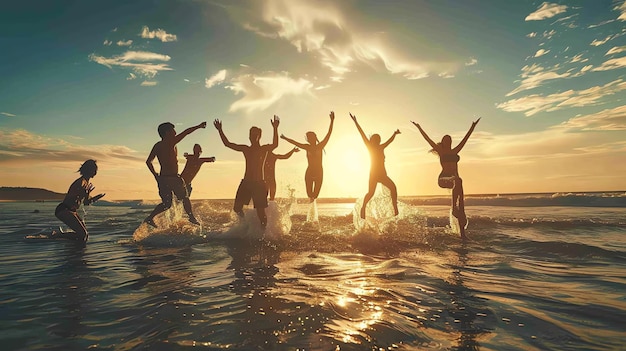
(262, 216)
(308, 182)
(317, 186)
(394, 193)
(72, 220)
(370, 193)
(188, 209)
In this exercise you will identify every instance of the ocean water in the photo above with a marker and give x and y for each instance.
(541, 272)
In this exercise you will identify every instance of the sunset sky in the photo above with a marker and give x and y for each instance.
(94, 79)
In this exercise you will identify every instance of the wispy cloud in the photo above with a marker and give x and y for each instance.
(21, 146)
(541, 52)
(7, 114)
(535, 103)
(149, 83)
(107, 42)
(215, 79)
(322, 29)
(472, 61)
(622, 10)
(124, 43)
(534, 76)
(615, 50)
(138, 61)
(261, 91)
(158, 33)
(546, 10)
(606, 120)
(615, 63)
(598, 42)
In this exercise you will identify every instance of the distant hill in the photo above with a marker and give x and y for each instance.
(28, 194)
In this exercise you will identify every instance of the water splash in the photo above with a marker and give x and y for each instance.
(173, 229)
(379, 213)
(312, 215)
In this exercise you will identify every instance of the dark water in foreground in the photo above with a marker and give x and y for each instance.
(533, 278)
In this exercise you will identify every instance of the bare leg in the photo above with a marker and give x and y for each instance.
(394, 193)
(317, 187)
(262, 216)
(160, 208)
(370, 193)
(72, 220)
(271, 185)
(187, 206)
(308, 181)
(459, 204)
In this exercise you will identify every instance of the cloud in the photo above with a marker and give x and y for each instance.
(615, 63)
(138, 61)
(131, 76)
(615, 50)
(471, 62)
(546, 10)
(622, 9)
(261, 91)
(159, 34)
(215, 79)
(606, 120)
(541, 52)
(535, 75)
(147, 83)
(578, 58)
(598, 42)
(535, 103)
(324, 31)
(124, 43)
(19, 146)
(7, 114)
(107, 43)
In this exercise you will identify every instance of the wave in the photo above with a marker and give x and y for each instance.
(603, 199)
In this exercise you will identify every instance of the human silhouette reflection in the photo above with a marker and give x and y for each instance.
(378, 173)
(465, 306)
(449, 177)
(314, 148)
(269, 169)
(252, 185)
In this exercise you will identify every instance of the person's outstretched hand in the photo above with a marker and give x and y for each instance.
(415, 124)
(218, 124)
(476, 122)
(282, 136)
(295, 149)
(353, 117)
(275, 122)
(397, 132)
(332, 115)
(202, 125)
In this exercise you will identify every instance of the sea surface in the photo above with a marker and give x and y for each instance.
(541, 272)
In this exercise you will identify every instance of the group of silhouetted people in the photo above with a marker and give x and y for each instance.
(259, 176)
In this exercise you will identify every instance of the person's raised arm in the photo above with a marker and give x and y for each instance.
(467, 135)
(207, 159)
(393, 136)
(275, 122)
(291, 141)
(330, 129)
(428, 139)
(188, 131)
(358, 127)
(287, 155)
(218, 125)
(150, 159)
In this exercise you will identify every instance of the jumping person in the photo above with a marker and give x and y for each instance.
(192, 166)
(378, 173)
(449, 177)
(78, 192)
(269, 170)
(314, 173)
(252, 185)
(168, 179)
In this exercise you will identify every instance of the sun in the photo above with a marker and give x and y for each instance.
(346, 168)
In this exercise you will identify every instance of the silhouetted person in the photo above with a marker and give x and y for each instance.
(78, 192)
(378, 173)
(252, 185)
(192, 166)
(168, 179)
(269, 170)
(449, 177)
(314, 175)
